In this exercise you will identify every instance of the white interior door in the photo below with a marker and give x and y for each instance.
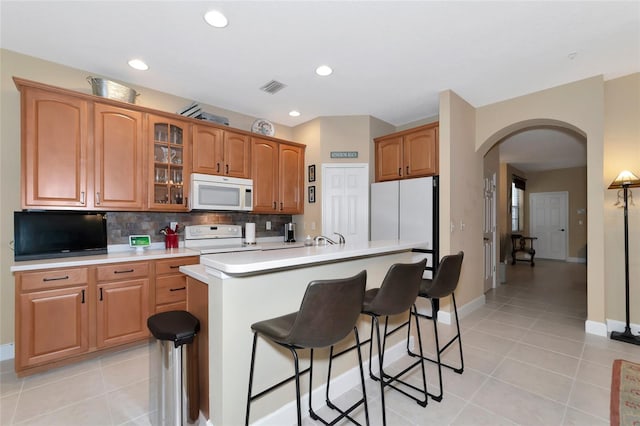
(345, 201)
(489, 229)
(548, 222)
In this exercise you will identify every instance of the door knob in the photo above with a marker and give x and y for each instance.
(562, 230)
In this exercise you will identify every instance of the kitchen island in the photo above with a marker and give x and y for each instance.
(242, 288)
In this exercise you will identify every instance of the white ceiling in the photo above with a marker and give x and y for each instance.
(391, 58)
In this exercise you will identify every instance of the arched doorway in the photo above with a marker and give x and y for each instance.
(550, 154)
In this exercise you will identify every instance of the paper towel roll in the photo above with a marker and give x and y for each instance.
(250, 233)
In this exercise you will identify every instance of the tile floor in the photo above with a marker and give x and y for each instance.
(528, 361)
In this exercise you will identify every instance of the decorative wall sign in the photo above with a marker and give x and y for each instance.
(344, 154)
(312, 194)
(312, 173)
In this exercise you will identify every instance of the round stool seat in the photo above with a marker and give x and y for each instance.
(180, 327)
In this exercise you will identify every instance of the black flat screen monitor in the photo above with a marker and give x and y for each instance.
(51, 234)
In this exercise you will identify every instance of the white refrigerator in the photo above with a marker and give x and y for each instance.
(405, 210)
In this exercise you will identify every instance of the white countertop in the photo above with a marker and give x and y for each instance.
(118, 255)
(256, 262)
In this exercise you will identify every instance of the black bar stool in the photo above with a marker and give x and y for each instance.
(442, 285)
(328, 312)
(396, 295)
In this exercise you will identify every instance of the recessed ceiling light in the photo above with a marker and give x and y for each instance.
(138, 64)
(216, 19)
(324, 70)
(294, 113)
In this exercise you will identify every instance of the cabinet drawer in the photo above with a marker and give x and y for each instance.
(53, 278)
(121, 271)
(171, 289)
(171, 266)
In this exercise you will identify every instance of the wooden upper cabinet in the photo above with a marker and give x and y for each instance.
(119, 159)
(169, 163)
(221, 152)
(207, 150)
(291, 177)
(264, 171)
(420, 150)
(389, 160)
(237, 155)
(278, 177)
(408, 154)
(55, 149)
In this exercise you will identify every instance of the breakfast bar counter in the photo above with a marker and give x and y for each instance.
(231, 291)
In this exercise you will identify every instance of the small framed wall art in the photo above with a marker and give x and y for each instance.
(312, 194)
(312, 173)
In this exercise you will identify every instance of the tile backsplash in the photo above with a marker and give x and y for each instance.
(122, 224)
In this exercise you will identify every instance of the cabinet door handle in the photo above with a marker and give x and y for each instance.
(101, 294)
(399, 171)
(97, 198)
(281, 205)
(408, 171)
(177, 266)
(123, 272)
(186, 201)
(82, 301)
(274, 205)
(177, 289)
(82, 197)
(227, 169)
(66, 277)
(218, 167)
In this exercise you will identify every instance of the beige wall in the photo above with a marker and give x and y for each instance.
(573, 180)
(621, 152)
(461, 193)
(578, 106)
(335, 133)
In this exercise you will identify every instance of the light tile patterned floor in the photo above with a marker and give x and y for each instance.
(528, 361)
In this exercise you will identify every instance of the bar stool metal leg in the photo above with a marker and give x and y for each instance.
(344, 413)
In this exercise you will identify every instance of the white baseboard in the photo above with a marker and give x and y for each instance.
(595, 327)
(340, 385)
(7, 351)
(576, 259)
(615, 325)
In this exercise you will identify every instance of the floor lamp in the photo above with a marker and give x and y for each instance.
(626, 180)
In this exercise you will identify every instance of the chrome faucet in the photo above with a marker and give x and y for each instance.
(323, 239)
(326, 240)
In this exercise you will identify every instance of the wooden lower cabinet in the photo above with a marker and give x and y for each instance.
(122, 306)
(54, 325)
(171, 284)
(198, 306)
(66, 314)
(122, 312)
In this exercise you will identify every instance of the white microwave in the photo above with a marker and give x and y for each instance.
(211, 192)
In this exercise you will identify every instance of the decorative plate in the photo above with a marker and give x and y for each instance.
(263, 127)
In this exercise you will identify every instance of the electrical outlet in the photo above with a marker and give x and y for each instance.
(313, 226)
(268, 225)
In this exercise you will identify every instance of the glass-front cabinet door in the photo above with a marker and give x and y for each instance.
(170, 159)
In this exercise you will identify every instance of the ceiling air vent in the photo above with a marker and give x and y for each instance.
(273, 87)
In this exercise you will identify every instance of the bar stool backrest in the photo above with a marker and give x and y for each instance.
(399, 289)
(446, 279)
(329, 311)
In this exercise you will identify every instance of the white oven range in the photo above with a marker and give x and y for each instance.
(215, 238)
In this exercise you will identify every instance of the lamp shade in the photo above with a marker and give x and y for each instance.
(625, 178)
